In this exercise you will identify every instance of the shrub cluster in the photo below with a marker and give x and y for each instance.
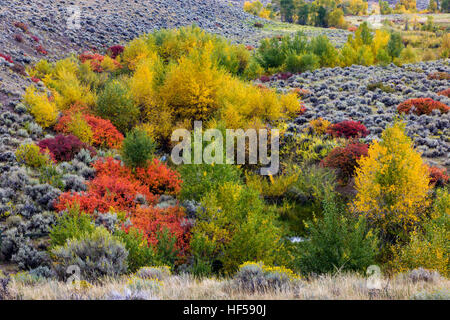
(63, 148)
(422, 106)
(345, 159)
(90, 129)
(255, 277)
(31, 155)
(348, 129)
(392, 185)
(298, 54)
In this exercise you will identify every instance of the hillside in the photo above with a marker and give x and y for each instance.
(102, 25)
(117, 181)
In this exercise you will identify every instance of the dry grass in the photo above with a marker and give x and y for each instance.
(343, 286)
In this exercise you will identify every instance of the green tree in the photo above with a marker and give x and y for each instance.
(445, 6)
(384, 7)
(395, 45)
(338, 241)
(321, 18)
(137, 148)
(287, 10)
(303, 14)
(433, 6)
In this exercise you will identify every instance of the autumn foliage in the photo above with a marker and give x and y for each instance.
(445, 93)
(392, 184)
(438, 176)
(115, 186)
(348, 129)
(422, 106)
(63, 148)
(345, 159)
(104, 133)
(151, 221)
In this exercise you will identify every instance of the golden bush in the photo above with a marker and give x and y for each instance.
(392, 184)
(44, 111)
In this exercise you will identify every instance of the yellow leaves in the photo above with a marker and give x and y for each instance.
(191, 86)
(380, 41)
(142, 83)
(44, 111)
(109, 64)
(67, 88)
(136, 50)
(79, 127)
(392, 180)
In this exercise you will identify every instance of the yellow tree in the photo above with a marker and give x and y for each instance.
(392, 185)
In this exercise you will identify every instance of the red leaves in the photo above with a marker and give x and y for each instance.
(41, 50)
(445, 92)
(111, 167)
(345, 158)
(159, 178)
(6, 57)
(115, 186)
(438, 176)
(152, 221)
(63, 148)
(348, 129)
(119, 193)
(421, 106)
(104, 133)
(115, 51)
(95, 60)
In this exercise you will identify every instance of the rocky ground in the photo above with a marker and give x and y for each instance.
(339, 94)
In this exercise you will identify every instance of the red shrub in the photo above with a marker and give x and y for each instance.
(35, 80)
(104, 133)
(22, 26)
(352, 28)
(115, 51)
(159, 178)
(111, 167)
(41, 50)
(438, 176)
(88, 202)
(445, 92)
(348, 129)
(95, 60)
(422, 106)
(115, 186)
(35, 39)
(18, 38)
(63, 148)
(120, 193)
(284, 75)
(153, 220)
(6, 57)
(344, 159)
(105, 193)
(264, 79)
(439, 76)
